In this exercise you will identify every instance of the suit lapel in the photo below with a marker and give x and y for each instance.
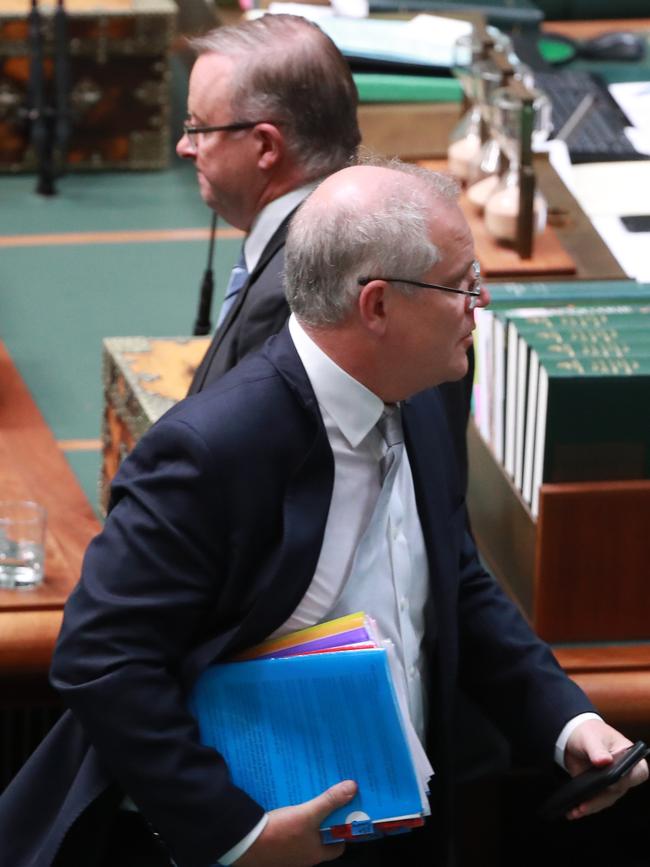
(277, 241)
(426, 435)
(274, 245)
(288, 571)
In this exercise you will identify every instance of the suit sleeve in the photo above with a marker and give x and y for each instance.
(151, 588)
(507, 669)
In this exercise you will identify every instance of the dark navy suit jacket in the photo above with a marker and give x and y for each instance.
(214, 532)
(260, 310)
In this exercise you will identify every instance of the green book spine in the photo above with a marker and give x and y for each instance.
(504, 393)
(581, 292)
(592, 421)
(588, 328)
(623, 317)
(605, 329)
(587, 343)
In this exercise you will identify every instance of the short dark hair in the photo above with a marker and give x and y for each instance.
(287, 70)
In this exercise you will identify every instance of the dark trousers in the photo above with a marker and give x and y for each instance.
(413, 849)
(417, 848)
(129, 842)
(125, 841)
(132, 844)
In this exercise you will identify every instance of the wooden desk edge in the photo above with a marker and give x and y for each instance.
(27, 640)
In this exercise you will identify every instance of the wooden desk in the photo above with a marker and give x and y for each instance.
(585, 612)
(589, 29)
(33, 467)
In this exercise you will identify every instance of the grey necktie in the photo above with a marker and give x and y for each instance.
(238, 278)
(390, 427)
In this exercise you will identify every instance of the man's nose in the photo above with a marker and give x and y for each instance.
(184, 148)
(485, 297)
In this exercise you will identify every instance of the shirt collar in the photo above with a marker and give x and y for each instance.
(267, 221)
(353, 407)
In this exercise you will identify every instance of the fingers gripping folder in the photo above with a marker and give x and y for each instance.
(300, 713)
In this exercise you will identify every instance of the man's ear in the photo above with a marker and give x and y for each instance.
(270, 145)
(372, 306)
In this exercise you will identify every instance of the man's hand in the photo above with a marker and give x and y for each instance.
(596, 743)
(291, 837)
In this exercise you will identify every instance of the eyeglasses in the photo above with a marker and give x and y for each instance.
(192, 131)
(473, 292)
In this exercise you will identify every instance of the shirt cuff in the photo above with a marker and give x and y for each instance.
(244, 845)
(567, 731)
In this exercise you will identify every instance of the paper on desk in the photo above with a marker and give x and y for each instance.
(401, 41)
(311, 11)
(351, 8)
(613, 188)
(634, 98)
(630, 248)
(608, 191)
(640, 139)
(425, 39)
(314, 12)
(559, 158)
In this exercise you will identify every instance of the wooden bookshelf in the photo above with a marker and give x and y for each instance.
(579, 573)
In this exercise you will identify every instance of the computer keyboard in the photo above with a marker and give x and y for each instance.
(599, 136)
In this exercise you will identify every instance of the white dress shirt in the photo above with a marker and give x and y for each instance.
(368, 561)
(267, 221)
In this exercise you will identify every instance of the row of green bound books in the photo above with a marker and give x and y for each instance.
(562, 390)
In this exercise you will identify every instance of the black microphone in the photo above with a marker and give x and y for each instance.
(61, 87)
(36, 108)
(202, 324)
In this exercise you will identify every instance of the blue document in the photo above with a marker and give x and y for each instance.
(289, 728)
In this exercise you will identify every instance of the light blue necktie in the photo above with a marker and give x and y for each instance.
(238, 278)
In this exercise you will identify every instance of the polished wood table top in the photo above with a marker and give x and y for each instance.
(33, 467)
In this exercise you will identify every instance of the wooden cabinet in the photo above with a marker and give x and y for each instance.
(580, 574)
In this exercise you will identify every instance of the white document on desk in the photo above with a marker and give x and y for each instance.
(630, 248)
(634, 98)
(608, 191)
(426, 40)
(613, 188)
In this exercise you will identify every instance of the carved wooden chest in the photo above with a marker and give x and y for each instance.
(143, 378)
(103, 70)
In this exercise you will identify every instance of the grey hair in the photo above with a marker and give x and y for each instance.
(289, 72)
(329, 249)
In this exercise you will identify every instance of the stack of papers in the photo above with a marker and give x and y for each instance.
(424, 40)
(299, 713)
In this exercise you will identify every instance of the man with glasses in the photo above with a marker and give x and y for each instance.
(272, 108)
(313, 480)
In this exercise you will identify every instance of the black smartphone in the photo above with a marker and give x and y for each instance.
(637, 223)
(579, 789)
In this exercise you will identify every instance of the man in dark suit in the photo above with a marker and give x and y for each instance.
(282, 70)
(289, 93)
(277, 498)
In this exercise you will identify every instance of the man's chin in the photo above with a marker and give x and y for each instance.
(205, 191)
(458, 371)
